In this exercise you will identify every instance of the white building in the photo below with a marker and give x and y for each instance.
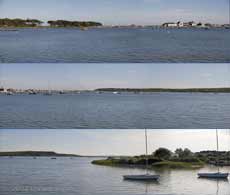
(170, 24)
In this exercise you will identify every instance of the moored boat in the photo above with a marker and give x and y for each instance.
(217, 175)
(147, 176)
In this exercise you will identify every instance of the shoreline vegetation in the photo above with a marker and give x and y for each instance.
(35, 23)
(7, 23)
(115, 90)
(164, 158)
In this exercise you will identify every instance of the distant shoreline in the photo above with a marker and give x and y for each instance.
(17, 23)
(43, 154)
(115, 91)
(172, 90)
(35, 154)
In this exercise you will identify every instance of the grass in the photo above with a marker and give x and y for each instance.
(163, 164)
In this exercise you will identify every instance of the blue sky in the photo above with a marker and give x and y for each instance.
(118, 11)
(92, 76)
(110, 142)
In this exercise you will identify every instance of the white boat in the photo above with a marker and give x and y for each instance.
(217, 175)
(116, 93)
(9, 93)
(147, 176)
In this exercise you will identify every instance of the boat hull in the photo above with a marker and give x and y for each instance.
(141, 177)
(213, 175)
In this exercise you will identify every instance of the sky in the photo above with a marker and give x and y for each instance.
(114, 12)
(93, 76)
(111, 142)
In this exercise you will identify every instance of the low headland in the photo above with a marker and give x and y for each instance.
(164, 158)
(35, 154)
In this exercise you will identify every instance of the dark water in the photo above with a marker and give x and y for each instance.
(110, 111)
(115, 45)
(64, 176)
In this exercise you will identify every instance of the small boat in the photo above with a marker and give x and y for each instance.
(147, 176)
(9, 93)
(53, 158)
(217, 175)
(116, 93)
(32, 93)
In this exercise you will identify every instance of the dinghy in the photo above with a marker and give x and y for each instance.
(147, 176)
(217, 175)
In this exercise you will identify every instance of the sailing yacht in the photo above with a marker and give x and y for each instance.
(217, 175)
(48, 92)
(147, 176)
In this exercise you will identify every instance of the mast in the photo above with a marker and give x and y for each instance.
(217, 147)
(229, 13)
(146, 151)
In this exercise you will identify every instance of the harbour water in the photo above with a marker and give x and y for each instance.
(91, 110)
(114, 45)
(65, 176)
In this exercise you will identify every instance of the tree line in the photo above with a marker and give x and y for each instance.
(6, 22)
(65, 23)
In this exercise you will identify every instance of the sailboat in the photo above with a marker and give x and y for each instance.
(147, 176)
(217, 175)
(48, 92)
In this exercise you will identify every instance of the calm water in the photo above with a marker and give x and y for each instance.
(64, 176)
(125, 111)
(115, 45)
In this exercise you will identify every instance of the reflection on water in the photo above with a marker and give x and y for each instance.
(115, 45)
(67, 176)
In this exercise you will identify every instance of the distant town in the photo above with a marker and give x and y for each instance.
(193, 24)
(35, 23)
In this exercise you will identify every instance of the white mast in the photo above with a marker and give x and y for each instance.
(146, 151)
(217, 147)
(229, 13)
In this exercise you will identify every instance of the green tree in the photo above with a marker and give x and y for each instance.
(186, 153)
(163, 153)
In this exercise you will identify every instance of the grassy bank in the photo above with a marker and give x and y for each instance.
(162, 164)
